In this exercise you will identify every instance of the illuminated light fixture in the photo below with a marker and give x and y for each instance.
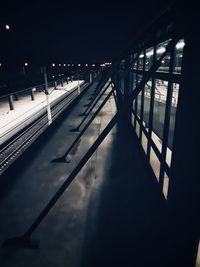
(93, 65)
(34, 89)
(163, 61)
(160, 50)
(53, 64)
(59, 65)
(0, 64)
(68, 65)
(7, 27)
(53, 76)
(72, 65)
(180, 44)
(64, 65)
(141, 56)
(103, 65)
(26, 64)
(79, 65)
(86, 65)
(149, 53)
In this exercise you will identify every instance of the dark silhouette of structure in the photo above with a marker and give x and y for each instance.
(144, 212)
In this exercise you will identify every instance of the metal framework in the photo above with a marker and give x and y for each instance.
(145, 82)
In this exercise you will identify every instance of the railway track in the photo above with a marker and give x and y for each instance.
(17, 145)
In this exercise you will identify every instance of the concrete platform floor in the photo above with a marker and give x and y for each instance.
(113, 214)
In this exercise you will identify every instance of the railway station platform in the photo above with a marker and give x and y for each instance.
(103, 218)
(25, 109)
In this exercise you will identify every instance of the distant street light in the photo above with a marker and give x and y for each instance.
(7, 27)
(25, 65)
(53, 64)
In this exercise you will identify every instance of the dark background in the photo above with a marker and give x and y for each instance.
(71, 31)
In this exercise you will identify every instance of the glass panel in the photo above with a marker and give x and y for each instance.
(157, 141)
(137, 129)
(139, 98)
(139, 78)
(134, 81)
(139, 104)
(172, 121)
(155, 163)
(132, 119)
(135, 62)
(168, 156)
(166, 60)
(165, 185)
(164, 67)
(147, 99)
(178, 56)
(173, 114)
(161, 48)
(159, 107)
(144, 142)
(134, 105)
(149, 58)
(141, 61)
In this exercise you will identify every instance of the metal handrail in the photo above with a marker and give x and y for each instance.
(30, 88)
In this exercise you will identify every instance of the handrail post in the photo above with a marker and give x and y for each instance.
(11, 102)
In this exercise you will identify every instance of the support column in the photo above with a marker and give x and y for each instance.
(32, 95)
(184, 190)
(11, 102)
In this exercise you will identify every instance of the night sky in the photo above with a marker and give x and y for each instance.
(76, 31)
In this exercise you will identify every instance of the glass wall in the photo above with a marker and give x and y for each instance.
(159, 108)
